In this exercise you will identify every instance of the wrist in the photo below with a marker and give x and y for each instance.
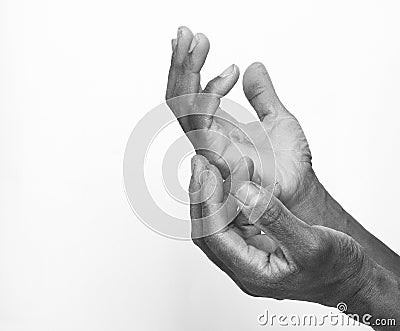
(316, 206)
(376, 302)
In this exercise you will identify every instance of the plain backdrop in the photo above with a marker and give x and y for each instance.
(75, 78)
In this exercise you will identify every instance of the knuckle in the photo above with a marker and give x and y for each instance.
(254, 90)
(203, 40)
(274, 212)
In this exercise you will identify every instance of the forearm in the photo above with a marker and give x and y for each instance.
(318, 207)
(377, 304)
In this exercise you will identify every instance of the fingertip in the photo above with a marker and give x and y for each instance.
(224, 82)
(199, 49)
(260, 92)
(255, 77)
(203, 40)
(184, 39)
(211, 185)
(183, 31)
(198, 161)
(255, 66)
(233, 69)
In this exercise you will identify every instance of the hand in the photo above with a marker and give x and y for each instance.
(292, 260)
(224, 141)
(221, 138)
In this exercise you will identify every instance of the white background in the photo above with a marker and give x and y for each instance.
(75, 78)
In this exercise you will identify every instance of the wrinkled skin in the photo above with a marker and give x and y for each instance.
(293, 261)
(267, 250)
(222, 139)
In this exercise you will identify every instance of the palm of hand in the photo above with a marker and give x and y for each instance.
(277, 145)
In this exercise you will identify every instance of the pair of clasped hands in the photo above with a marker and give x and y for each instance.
(287, 238)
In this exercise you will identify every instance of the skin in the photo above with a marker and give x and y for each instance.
(303, 262)
(295, 184)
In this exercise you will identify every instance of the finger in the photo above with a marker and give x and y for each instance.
(199, 49)
(209, 195)
(180, 48)
(260, 92)
(228, 245)
(199, 164)
(266, 212)
(186, 63)
(262, 242)
(174, 42)
(242, 226)
(214, 214)
(200, 242)
(244, 260)
(205, 107)
(243, 172)
(223, 83)
(188, 56)
(184, 40)
(209, 101)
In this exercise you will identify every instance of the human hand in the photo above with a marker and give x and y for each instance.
(291, 260)
(277, 255)
(221, 138)
(276, 144)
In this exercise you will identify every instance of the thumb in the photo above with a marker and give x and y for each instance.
(260, 92)
(266, 212)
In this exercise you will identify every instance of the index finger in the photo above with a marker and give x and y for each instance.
(229, 246)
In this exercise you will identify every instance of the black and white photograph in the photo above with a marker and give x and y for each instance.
(210, 166)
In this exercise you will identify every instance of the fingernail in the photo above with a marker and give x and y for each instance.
(179, 33)
(173, 44)
(229, 71)
(205, 176)
(247, 193)
(195, 42)
(197, 168)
